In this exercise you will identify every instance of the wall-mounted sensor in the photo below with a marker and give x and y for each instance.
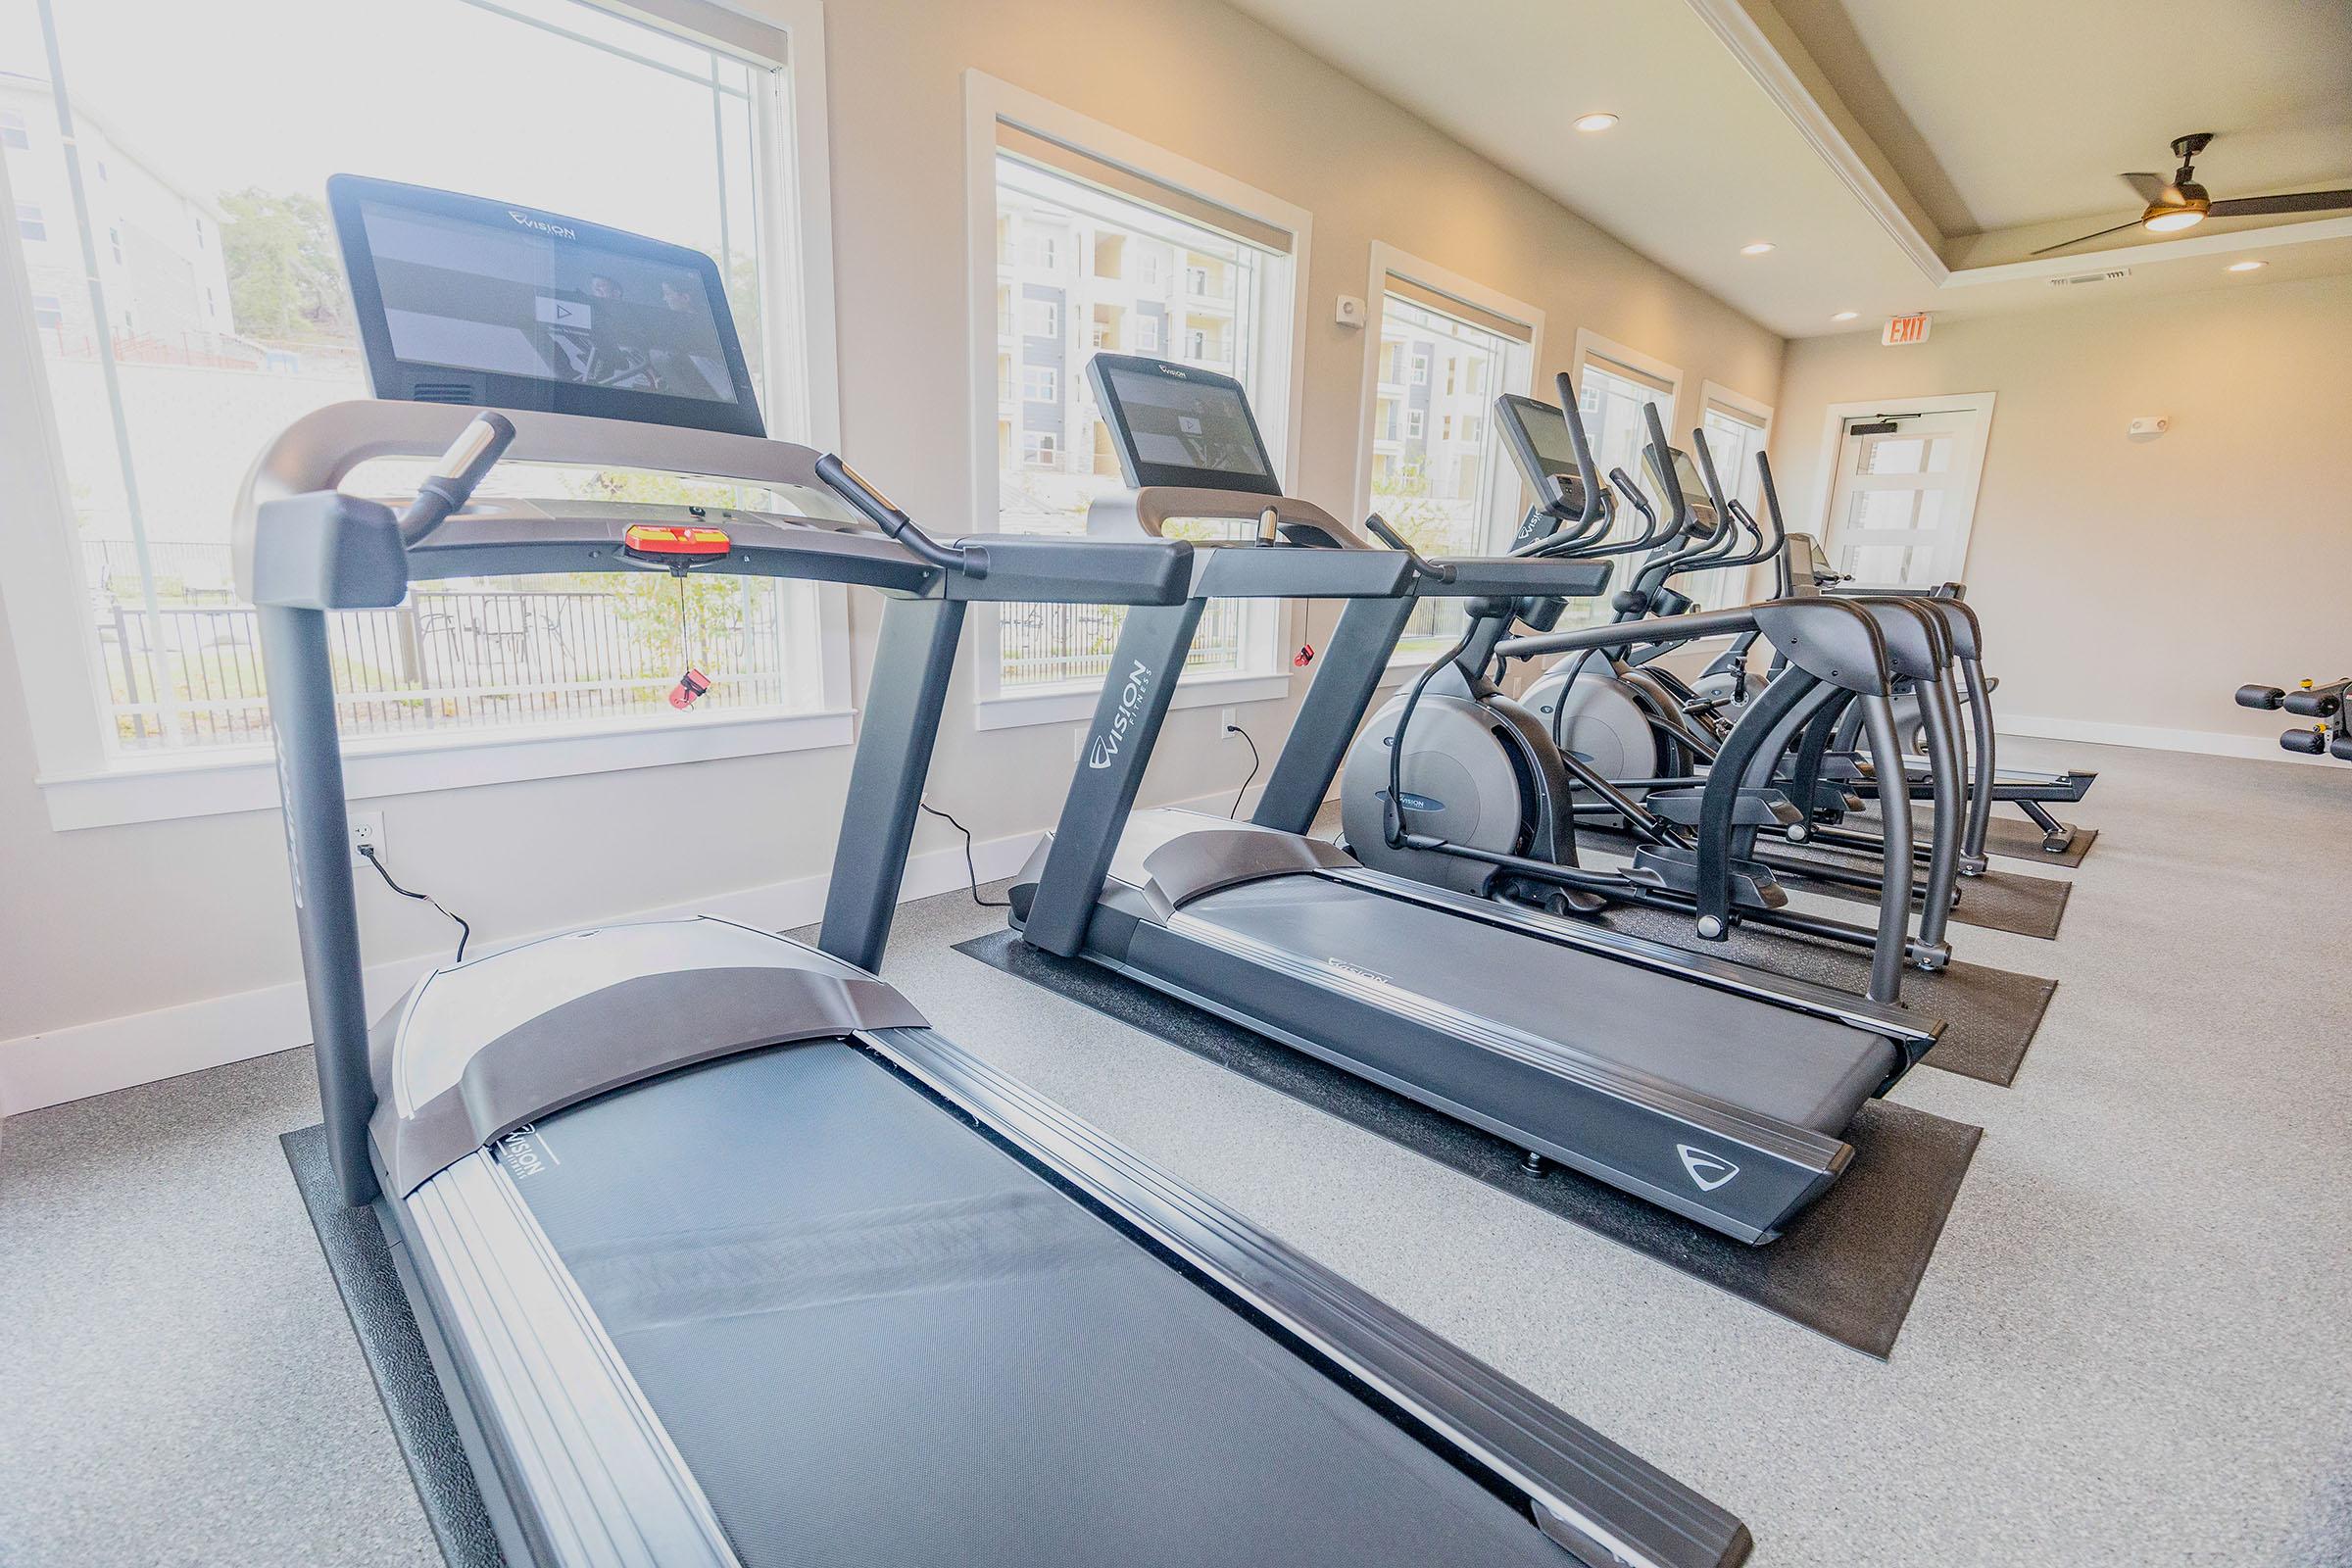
(1351, 311)
(2149, 427)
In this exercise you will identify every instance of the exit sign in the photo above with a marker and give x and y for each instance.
(1902, 329)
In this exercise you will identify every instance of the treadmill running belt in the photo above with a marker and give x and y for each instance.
(878, 1338)
(1793, 1065)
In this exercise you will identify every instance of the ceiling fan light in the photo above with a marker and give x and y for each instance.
(2174, 219)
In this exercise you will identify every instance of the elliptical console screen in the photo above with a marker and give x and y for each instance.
(1538, 440)
(1174, 424)
(464, 300)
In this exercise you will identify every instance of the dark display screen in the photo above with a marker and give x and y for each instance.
(1190, 425)
(518, 301)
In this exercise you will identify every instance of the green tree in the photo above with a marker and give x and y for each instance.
(284, 282)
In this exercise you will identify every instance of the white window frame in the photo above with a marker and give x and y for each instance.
(84, 784)
(1418, 376)
(39, 218)
(15, 132)
(989, 102)
(1389, 262)
(1415, 421)
(1041, 449)
(1147, 341)
(1751, 410)
(1052, 375)
(1048, 312)
(1591, 346)
(1741, 487)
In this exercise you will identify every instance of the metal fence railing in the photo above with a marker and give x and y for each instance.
(1053, 645)
(446, 661)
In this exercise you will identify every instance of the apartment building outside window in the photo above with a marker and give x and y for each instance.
(1441, 342)
(1163, 269)
(184, 357)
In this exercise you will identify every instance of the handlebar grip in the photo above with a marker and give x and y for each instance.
(878, 509)
(1389, 536)
(2308, 742)
(2259, 697)
(467, 462)
(1661, 455)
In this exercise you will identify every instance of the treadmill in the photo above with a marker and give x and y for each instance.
(1718, 1091)
(719, 1253)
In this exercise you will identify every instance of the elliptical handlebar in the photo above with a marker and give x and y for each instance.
(1588, 472)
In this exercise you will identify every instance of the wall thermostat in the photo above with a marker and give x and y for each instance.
(1351, 311)
(2150, 426)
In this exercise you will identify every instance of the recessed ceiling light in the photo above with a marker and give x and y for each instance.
(1593, 122)
(1757, 249)
(2247, 266)
(1845, 315)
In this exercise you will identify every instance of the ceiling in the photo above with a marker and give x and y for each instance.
(1899, 155)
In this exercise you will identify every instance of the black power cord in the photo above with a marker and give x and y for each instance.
(465, 931)
(971, 872)
(1236, 730)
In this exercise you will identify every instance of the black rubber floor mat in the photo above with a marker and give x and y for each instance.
(1990, 1015)
(362, 1264)
(1997, 900)
(1848, 1268)
(2010, 836)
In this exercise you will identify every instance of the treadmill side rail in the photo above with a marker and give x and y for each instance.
(577, 1443)
(1595, 1498)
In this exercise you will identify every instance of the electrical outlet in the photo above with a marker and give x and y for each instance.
(366, 828)
(1224, 719)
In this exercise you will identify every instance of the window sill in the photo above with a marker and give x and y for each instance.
(165, 788)
(1062, 705)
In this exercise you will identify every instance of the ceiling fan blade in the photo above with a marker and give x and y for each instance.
(2151, 187)
(2307, 201)
(2080, 239)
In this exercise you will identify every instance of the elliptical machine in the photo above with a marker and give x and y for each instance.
(1455, 784)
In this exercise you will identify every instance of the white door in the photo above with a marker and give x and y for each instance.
(1905, 494)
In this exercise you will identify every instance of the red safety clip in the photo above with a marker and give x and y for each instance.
(689, 688)
(1305, 657)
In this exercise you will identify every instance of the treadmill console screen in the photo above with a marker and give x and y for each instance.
(463, 300)
(1173, 424)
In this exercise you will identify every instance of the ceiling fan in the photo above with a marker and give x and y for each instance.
(2181, 203)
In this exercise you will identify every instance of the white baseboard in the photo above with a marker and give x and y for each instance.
(2154, 738)
(58, 1065)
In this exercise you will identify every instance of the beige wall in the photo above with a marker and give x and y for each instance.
(104, 923)
(2126, 583)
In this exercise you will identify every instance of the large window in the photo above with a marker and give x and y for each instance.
(1737, 429)
(1613, 385)
(1455, 494)
(190, 304)
(1141, 258)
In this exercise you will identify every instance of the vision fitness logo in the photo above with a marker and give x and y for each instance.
(559, 230)
(1131, 702)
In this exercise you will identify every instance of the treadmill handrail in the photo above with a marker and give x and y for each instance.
(1145, 513)
(319, 450)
